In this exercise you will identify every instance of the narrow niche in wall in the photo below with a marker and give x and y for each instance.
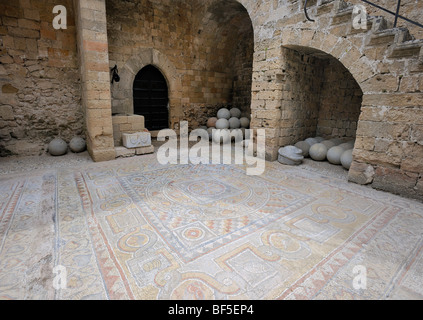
(321, 103)
(151, 98)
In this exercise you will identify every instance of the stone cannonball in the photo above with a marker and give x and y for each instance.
(235, 112)
(211, 122)
(329, 144)
(222, 124)
(234, 123)
(237, 135)
(319, 139)
(224, 114)
(221, 136)
(245, 122)
(77, 145)
(318, 152)
(334, 154)
(304, 146)
(57, 147)
(346, 146)
(336, 141)
(346, 159)
(311, 141)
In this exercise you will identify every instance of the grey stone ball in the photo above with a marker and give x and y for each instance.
(334, 155)
(336, 141)
(345, 146)
(329, 144)
(222, 136)
(318, 152)
(211, 122)
(245, 122)
(224, 114)
(77, 145)
(311, 141)
(234, 123)
(347, 158)
(237, 135)
(304, 146)
(222, 124)
(57, 147)
(235, 112)
(319, 139)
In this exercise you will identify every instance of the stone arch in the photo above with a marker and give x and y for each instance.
(357, 63)
(122, 92)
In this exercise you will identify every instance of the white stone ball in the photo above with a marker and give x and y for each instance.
(224, 114)
(234, 123)
(329, 144)
(77, 145)
(221, 136)
(347, 158)
(334, 154)
(211, 122)
(318, 152)
(57, 147)
(235, 112)
(311, 141)
(304, 146)
(245, 122)
(222, 124)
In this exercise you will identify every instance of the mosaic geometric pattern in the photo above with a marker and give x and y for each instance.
(134, 229)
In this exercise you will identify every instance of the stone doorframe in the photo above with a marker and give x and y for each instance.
(122, 92)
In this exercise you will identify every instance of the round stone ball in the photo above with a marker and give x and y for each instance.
(234, 123)
(346, 146)
(319, 139)
(318, 152)
(336, 141)
(237, 135)
(57, 147)
(329, 144)
(224, 114)
(311, 141)
(334, 155)
(304, 146)
(346, 159)
(222, 124)
(245, 122)
(77, 145)
(221, 136)
(235, 112)
(211, 122)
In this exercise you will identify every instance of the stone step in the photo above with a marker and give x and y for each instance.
(407, 49)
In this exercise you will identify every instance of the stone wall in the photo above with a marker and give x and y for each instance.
(39, 77)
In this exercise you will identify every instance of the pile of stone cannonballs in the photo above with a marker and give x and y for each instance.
(59, 147)
(228, 120)
(337, 151)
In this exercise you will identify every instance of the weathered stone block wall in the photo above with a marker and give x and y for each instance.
(40, 96)
(340, 102)
(301, 93)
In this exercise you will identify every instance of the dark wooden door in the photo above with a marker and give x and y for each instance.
(151, 98)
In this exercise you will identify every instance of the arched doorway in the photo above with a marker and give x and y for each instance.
(151, 98)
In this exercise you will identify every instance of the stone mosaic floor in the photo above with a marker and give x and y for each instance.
(134, 229)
